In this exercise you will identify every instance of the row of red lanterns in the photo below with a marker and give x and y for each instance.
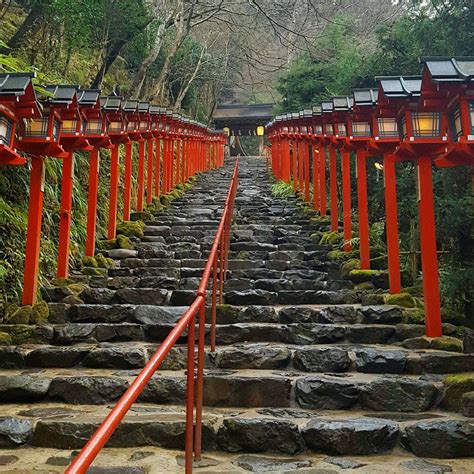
(428, 119)
(63, 119)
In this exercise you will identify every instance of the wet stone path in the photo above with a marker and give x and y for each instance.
(305, 377)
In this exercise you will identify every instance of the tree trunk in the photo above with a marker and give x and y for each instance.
(184, 91)
(30, 23)
(111, 56)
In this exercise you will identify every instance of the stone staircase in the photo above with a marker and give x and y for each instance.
(305, 377)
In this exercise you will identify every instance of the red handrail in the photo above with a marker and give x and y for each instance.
(218, 254)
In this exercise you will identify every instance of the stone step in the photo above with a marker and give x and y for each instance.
(322, 358)
(232, 388)
(292, 431)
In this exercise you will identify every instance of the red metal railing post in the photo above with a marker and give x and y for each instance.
(214, 305)
(157, 167)
(33, 234)
(127, 181)
(362, 204)
(200, 380)
(141, 175)
(113, 191)
(316, 202)
(189, 437)
(322, 181)
(92, 201)
(306, 171)
(65, 216)
(149, 175)
(333, 188)
(346, 199)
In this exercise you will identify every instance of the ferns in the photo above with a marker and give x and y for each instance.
(282, 189)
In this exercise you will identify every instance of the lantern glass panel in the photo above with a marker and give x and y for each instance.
(69, 126)
(341, 129)
(387, 127)
(456, 125)
(361, 129)
(303, 129)
(94, 127)
(426, 124)
(56, 127)
(6, 128)
(167, 127)
(115, 127)
(285, 129)
(403, 128)
(329, 129)
(471, 116)
(144, 125)
(36, 127)
(318, 129)
(131, 126)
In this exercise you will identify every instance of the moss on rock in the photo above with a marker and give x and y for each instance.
(364, 286)
(331, 238)
(40, 313)
(401, 299)
(21, 334)
(124, 242)
(94, 271)
(413, 316)
(455, 386)
(359, 276)
(101, 261)
(131, 229)
(21, 315)
(77, 288)
(5, 339)
(339, 256)
(107, 244)
(447, 343)
(89, 262)
(347, 267)
(141, 216)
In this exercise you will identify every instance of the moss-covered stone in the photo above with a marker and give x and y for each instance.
(5, 339)
(364, 286)
(40, 313)
(89, 262)
(413, 316)
(21, 334)
(77, 288)
(347, 267)
(110, 262)
(131, 229)
(447, 343)
(21, 315)
(359, 276)
(419, 303)
(372, 299)
(123, 242)
(455, 386)
(141, 216)
(401, 299)
(101, 261)
(72, 299)
(226, 312)
(9, 309)
(61, 282)
(107, 244)
(331, 238)
(340, 256)
(94, 271)
(165, 199)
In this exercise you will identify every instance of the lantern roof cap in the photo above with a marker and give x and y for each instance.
(342, 103)
(154, 109)
(364, 96)
(169, 113)
(294, 115)
(87, 96)
(306, 113)
(316, 109)
(15, 83)
(130, 105)
(111, 103)
(327, 106)
(400, 86)
(176, 116)
(143, 107)
(446, 69)
(61, 94)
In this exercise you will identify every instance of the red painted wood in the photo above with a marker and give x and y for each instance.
(333, 188)
(127, 181)
(363, 210)
(346, 199)
(113, 192)
(92, 201)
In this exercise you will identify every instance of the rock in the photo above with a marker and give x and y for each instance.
(22, 388)
(39, 313)
(56, 357)
(89, 261)
(5, 339)
(149, 314)
(59, 460)
(313, 333)
(251, 297)
(467, 404)
(447, 343)
(420, 465)
(340, 315)
(421, 342)
(14, 431)
(370, 334)
(21, 315)
(351, 436)
(123, 242)
(445, 362)
(264, 464)
(116, 358)
(348, 266)
(455, 386)
(72, 300)
(328, 393)
(252, 357)
(372, 299)
(344, 463)
(139, 455)
(120, 254)
(382, 314)
(261, 314)
(398, 394)
(98, 296)
(259, 435)
(321, 360)
(380, 361)
(151, 296)
(297, 314)
(87, 390)
(131, 229)
(401, 299)
(440, 438)
(7, 459)
(101, 313)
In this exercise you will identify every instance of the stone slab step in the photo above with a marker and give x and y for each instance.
(288, 432)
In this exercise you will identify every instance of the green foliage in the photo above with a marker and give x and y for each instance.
(282, 189)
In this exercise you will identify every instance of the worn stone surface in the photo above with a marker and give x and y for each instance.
(264, 464)
(259, 435)
(351, 436)
(252, 357)
(420, 465)
(321, 360)
(22, 388)
(344, 463)
(380, 362)
(14, 431)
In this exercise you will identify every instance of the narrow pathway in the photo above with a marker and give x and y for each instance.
(302, 370)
